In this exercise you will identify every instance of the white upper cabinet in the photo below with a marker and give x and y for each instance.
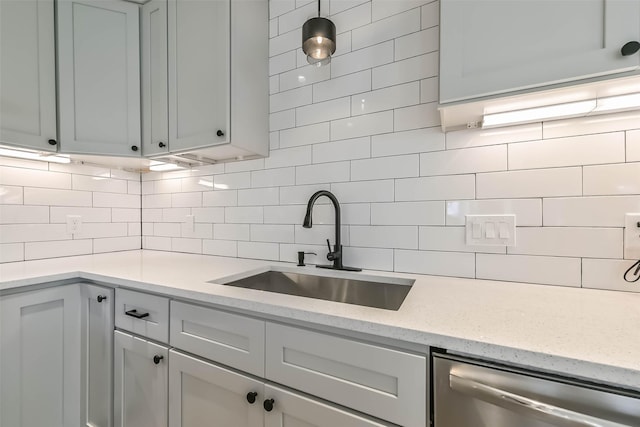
(27, 74)
(491, 47)
(99, 77)
(216, 86)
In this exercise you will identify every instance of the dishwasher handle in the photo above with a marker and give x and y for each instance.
(525, 406)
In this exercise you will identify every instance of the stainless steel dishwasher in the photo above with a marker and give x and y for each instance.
(471, 393)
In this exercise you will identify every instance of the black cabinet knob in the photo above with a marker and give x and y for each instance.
(101, 298)
(630, 48)
(157, 359)
(220, 133)
(268, 405)
(162, 144)
(134, 148)
(53, 142)
(251, 397)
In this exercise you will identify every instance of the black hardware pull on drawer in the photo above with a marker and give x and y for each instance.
(134, 313)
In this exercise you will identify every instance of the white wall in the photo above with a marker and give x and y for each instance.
(36, 197)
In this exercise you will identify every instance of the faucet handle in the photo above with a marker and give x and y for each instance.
(331, 256)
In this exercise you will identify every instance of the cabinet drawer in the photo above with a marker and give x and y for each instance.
(143, 314)
(230, 339)
(382, 382)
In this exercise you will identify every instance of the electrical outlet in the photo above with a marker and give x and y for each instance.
(632, 236)
(74, 224)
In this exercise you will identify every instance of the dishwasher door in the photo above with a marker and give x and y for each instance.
(469, 393)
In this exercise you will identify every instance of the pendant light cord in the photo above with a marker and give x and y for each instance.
(636, 273)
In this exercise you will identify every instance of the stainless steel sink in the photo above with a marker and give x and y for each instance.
(370, 291)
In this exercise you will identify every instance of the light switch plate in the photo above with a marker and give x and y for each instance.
(632, 236)
(490, 230)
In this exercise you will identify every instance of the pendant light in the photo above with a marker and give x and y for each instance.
(318, 39)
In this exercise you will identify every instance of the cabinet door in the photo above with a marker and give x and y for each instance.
(201, 393)
(155, 115)
(27, 73)
(97, 356)
(140, 384)
(496, 46)
(40, 341)
(198, 73)
(99, 77)
(293, 410)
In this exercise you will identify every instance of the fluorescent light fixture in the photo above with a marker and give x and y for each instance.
(618, 103)
(157, 166)
(537, 114)
(33, 155)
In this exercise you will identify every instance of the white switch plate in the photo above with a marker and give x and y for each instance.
(74, 224)
(490, 230)
(632, 236)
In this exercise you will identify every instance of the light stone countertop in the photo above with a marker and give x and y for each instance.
(584, 333)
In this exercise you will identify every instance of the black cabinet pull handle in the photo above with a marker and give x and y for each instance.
(251, 397)
(53, 142)
(134, 313)
(268, 405)
(157, 359)
(101, 298)
(630, 48)
(162, 144)
(220, 133)
(134, 148)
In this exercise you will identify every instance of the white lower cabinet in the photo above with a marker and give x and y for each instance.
(140, 382)
(46, 336)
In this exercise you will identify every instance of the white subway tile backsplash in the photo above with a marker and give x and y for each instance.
(337, 6)
(417, 116)
(156, 243)
(572, 151)
(607, 274)
(244, 215)
(292, 214)
(175, 214)
(481, 137)
(59, 214)
(113, 244)
(592, 125)
(272, 233)
(304, 135)
(232, 181)
(417, 43)
(119, 215)
(346, 149)
(451, 239)
(352, 18)
(293, 19)
(53, 197)
(368, 124)
(408, 142)
(259, 250)
(351, 213)
(435, 188)
(192, 246)
(232, 231)
(364, 191)
(407, 70)
(319, 233)
(114, 200)
(430, 14)
(323, 111)
(198, 183)
(386, 99)
(134, 187)
(429, 90)
(288, 157)
(197, 231)
(401, 237)
(11, 252)
(342, 86)
(384, 8)
(323, 173)
(167, 229)
(607, 211)
(273, 177)
(280, 7)
(290, 99)
(529, 269)
(57, 249)
(467, 160)
(528, 212)
(259, 197)
(208, 215)
(633, 146)
(98, 183)
(362, 59)
(11, 195)
(190, 200)
(96, 230)
(385, 167)
(456, 264)
(368, 258)
(299, 194)
(282, 120)
(284, 42)
(386, 29)
(220, 198)
(568, 242)
(407, 213)
(34, 178)
(20, 214)
(15, 233)
(220, 247)
(303, 76)
(154, 201)
(530, 183)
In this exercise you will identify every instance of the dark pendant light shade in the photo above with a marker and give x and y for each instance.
(319, 39)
